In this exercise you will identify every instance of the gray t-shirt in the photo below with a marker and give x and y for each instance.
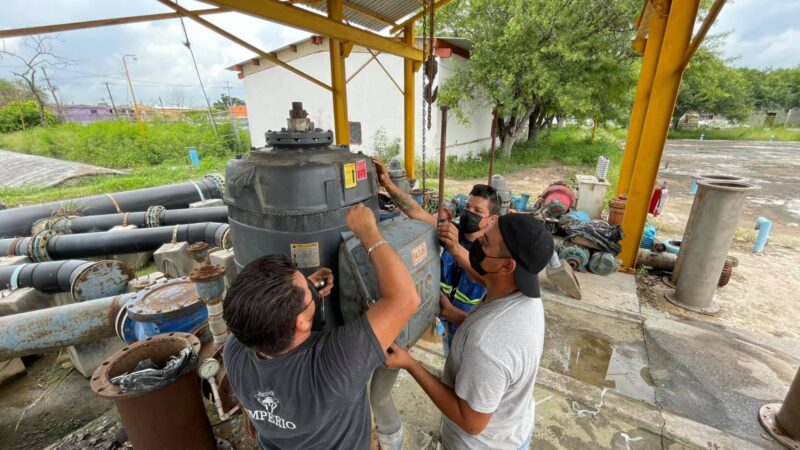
(312, 397)
(492, 366)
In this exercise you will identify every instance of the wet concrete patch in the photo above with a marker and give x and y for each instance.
(597, 349)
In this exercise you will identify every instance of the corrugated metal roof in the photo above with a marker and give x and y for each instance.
(390, 9)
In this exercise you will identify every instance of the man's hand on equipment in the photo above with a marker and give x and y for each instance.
(323, 281)
(361, 221)
(448, 234)
(398, 358)
(383, 174)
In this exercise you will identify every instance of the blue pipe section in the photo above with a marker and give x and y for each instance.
(764, 226)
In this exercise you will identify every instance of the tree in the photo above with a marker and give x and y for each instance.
(538, 59)
(19, 115)
(225, 102)
(712, 87)
(38, 55)
(11, 91)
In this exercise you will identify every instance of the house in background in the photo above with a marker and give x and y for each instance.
(91, 113)
(374, 96)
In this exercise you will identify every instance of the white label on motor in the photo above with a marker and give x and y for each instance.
(305, 255)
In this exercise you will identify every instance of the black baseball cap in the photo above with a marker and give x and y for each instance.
(531, 246)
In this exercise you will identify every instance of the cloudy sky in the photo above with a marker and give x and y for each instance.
(763, 34)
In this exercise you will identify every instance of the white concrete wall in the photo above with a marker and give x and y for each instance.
(372, 100)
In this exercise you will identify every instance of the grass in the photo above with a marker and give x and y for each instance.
(119, 144)
(738, 134)
(140, 177)
(569, 146)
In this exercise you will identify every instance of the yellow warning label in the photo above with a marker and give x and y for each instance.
(305, 255)
(350, 180)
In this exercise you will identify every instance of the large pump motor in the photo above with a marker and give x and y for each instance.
(292, 198)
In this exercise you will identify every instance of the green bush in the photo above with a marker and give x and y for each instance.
(119, 144)
(384, 149)
(23, 115)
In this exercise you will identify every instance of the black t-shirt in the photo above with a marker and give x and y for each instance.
(313, 397)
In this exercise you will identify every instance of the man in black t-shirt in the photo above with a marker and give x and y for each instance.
(303, 389)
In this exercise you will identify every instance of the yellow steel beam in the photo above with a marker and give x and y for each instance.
(417, 16)
(643, 89)
(657, 120)
(386, 71)
(408, 104)
(191, 15)
(713, 12)
(341, 125)
(99, 23)
(287, 14)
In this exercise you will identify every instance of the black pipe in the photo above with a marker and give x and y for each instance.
(49, 277)
(153, 217)
(43, 246)
(18, 221)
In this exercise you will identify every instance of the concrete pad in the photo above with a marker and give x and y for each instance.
(713, 378)
(133, 261)
(23, 300)
(22, 170)
(6, 261)
(225, 258)
(615, 292)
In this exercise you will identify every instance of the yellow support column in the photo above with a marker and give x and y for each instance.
(643, 89)
(408, 104)
(657, 120)
(341, 126)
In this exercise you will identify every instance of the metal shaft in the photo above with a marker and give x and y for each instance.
(18, 221)
(789, 416)
(210, 285)
(442, 163)
(387, 420)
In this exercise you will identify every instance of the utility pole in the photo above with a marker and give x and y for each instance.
(234, 122)
(113, 106)
(133, 94)
(53, 92)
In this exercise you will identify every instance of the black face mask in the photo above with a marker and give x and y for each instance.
(476, 257)
(469, 222)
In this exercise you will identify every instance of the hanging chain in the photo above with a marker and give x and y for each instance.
(425, 123)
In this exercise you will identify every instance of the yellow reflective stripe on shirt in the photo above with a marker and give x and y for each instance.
(446, 288)
(460, 296)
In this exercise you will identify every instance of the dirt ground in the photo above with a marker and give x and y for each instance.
(759, 296)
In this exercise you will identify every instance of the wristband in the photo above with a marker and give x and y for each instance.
(376, 245)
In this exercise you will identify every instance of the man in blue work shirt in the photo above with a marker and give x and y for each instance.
(461, 286)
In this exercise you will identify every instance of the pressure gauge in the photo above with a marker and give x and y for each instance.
(208, 368)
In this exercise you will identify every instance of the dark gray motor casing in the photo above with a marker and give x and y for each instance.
(294, 202)
(417, 244)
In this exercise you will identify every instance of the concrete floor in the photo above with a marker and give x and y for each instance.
(31, 171)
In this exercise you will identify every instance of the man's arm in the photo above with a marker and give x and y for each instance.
(399, 299)
(443, 396)
(401, 199)
(449, 312)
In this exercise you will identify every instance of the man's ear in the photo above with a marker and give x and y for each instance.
(302, 324)
(509, 266)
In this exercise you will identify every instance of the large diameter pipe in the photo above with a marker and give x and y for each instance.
(153, 217)
(84, 280)
(18, 221)
(789, 415)
(50, 329)
(715, 214)
(43, 246)
(690, 222)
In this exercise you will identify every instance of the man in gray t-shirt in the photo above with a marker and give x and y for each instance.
(486, 392)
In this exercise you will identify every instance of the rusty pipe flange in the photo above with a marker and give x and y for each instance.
(709, 310)
(101, 279)
(152, 216)
(146, 419)
(37, 247)
(205, 274)
(767, 415)
(727, 271)
(198, 251)
(219, 182)
(138, 285)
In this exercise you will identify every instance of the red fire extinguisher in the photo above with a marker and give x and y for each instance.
(659, 199)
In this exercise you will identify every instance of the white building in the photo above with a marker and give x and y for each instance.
(374, 100)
